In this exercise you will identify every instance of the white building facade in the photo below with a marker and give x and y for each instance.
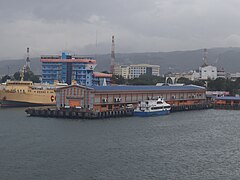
(235, 76)
(134, 71)
(208, 72)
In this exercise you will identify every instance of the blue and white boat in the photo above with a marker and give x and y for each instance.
(152, 107)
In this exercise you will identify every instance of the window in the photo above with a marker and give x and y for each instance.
(156, 108)
(166, 106)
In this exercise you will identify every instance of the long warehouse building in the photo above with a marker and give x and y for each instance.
(104, 98)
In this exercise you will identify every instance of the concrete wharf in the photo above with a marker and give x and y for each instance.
(191, 107)
(227, 106)
(73, 113)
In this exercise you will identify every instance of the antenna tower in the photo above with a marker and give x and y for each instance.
(112, 56)
(205, 54)
(28, 61)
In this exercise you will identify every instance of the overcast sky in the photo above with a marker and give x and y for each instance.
(86, 26)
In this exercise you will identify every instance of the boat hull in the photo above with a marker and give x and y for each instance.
(151, 113)
(13, 99)
(6, 103)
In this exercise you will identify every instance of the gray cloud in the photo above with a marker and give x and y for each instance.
(50, 26)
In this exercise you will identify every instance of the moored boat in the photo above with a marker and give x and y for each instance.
(26, 93)
(152, 107)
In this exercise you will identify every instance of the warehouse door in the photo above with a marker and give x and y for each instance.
(74, 103)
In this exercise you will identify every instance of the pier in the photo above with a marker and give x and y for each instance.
(73, 113)
(227, 106)
(191, 107)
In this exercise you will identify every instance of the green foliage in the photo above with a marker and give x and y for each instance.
(146, 79)
(237, 83)
(5, 78)
(219, 84)
(16, 76)
(28, 76)
(117, 79)
(183, 80)
(199, 83)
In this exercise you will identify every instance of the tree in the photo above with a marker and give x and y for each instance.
(184, 80)
(28, 76)
(16, 76)
(237, 83)
(199, 83)
(219, 84)
(146, 79)
(5, 78)
(117, 79)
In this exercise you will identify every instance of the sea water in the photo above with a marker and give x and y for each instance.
(201, 144)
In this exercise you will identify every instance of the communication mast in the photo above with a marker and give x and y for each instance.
(112, 56)
(27, 66)
(205, 54)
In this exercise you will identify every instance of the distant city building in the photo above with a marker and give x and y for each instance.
(122, 70)
(208, 72)
(66, 68)
(235, 76)
(195, 75)
(134, 71)
(125, 71)
(174, 77)
(205, 72)
(213, 94)
(221, 73)
(118, 70)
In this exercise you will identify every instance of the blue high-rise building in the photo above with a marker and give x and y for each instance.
(66, 68)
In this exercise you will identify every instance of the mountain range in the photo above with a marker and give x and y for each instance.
(227, 58)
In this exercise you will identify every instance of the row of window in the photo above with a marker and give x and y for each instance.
(20, 91)
(140, 97)
(59, 72)
(23, 91)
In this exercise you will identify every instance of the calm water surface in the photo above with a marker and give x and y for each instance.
(184, 145)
